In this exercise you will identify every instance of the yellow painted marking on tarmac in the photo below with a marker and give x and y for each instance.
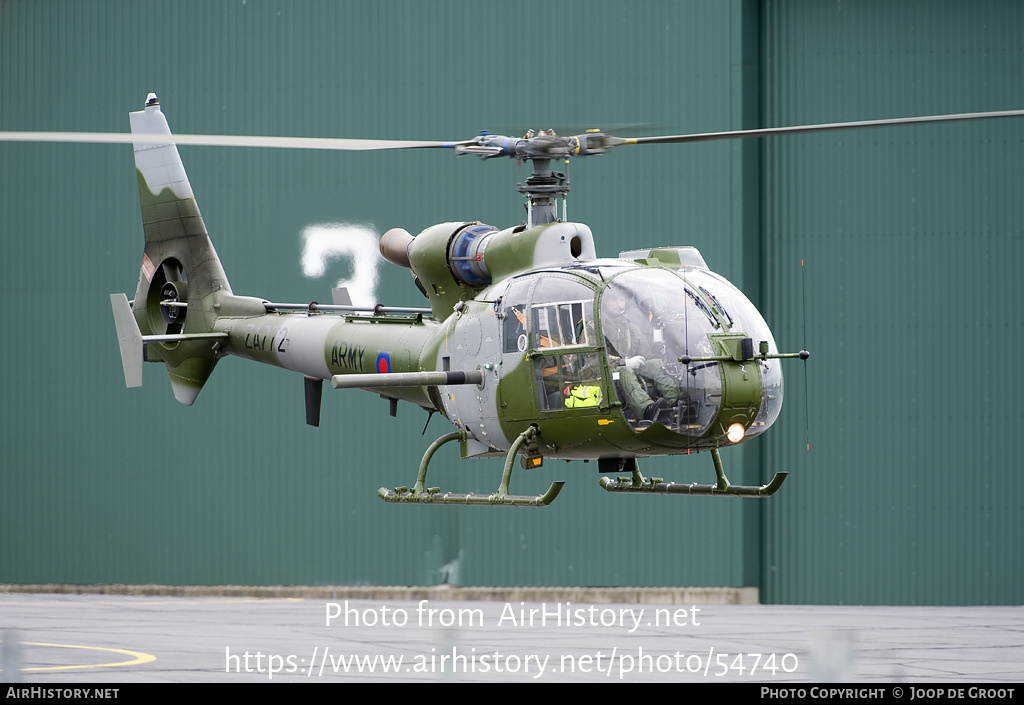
(137, 657)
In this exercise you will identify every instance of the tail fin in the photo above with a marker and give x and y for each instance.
(181, 273)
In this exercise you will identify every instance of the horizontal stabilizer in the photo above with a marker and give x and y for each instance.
(129, 339)
(406, 379)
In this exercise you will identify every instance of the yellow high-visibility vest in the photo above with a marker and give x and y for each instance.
(582, 395)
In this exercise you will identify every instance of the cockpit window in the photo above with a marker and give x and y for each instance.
(650, 318)
(664, 310)
(564, 324)
(559, 313)
(563, 314)
(554, 321)
(514, 307)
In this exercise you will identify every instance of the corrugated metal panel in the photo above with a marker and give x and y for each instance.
(101, 484)
(913, 239)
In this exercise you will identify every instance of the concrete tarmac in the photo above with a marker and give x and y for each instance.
(51, 639)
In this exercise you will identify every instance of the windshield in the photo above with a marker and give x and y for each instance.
(650, 318)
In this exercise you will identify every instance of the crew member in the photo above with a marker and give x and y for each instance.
(630, 354)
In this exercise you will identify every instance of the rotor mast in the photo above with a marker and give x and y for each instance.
(544, 187)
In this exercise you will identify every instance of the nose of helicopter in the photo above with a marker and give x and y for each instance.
(680, 348)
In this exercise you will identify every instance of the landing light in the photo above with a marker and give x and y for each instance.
(735, 433)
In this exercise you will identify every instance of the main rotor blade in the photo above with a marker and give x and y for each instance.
(329, 143)
(363, 145)
(827, 127)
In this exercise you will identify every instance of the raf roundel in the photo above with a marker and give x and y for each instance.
(384, 363)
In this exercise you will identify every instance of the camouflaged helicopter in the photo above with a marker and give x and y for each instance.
(532, 345)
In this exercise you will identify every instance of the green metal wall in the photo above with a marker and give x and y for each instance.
(913, 240)
(910, 491)
(103, 484)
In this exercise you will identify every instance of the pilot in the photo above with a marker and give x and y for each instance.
(630, 353)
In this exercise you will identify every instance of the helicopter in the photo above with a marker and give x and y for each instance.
(532, 345)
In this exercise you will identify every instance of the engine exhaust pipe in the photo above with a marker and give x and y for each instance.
(394, 246)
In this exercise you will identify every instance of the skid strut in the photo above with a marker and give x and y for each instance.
(433, 495)
(637, 483)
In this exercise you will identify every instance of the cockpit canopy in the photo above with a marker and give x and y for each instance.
(649, 318)
(652, 317)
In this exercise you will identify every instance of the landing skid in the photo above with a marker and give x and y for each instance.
(637, 483)
(433, 495)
